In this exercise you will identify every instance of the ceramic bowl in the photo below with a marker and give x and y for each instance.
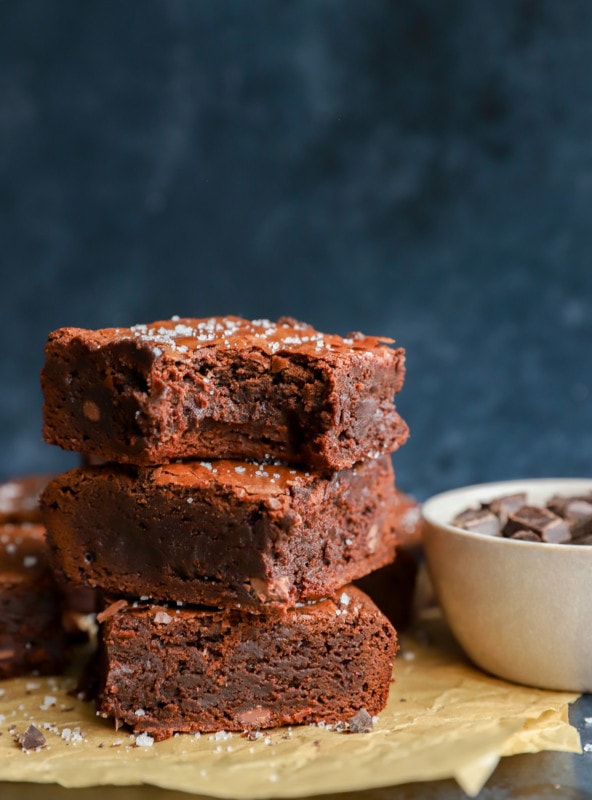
(520, 610)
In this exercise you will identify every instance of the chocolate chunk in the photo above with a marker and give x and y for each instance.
(361, 722)
(575, 507)
(547, 525)
(478, 520)
(502, 507)
(583, 539)
(582, 528)
(525, 536)
(32, 739)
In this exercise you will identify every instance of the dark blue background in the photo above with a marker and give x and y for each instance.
(415, 169)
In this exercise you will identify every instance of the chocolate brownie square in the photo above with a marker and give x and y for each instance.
(32, 637)
(222, 387)
(393, 586)
(221, 532)
(164, 670)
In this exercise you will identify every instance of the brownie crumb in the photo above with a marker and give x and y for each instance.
(361, 722)
(111, 610)
(31, 740)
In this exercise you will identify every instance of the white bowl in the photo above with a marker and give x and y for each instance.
(520, 610)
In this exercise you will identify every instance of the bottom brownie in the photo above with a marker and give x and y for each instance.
(166, 669)
(32, 636)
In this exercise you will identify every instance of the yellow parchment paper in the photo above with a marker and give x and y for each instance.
(444, 719)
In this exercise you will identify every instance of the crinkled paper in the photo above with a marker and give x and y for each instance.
(444, 719)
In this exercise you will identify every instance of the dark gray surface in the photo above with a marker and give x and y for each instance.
(416, 169)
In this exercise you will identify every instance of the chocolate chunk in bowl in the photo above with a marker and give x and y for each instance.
(518, 607)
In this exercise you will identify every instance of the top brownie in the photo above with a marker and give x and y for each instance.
(222, 387)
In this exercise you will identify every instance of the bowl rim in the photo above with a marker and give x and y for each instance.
(430, 506)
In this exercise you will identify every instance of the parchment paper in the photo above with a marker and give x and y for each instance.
(444, 719)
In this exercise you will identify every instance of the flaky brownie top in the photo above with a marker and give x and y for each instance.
(184, 335)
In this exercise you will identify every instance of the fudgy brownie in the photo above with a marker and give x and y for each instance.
(392, 587)
(19, 503)
(166, 669)
(222, 387)
(19, 499)
(32, 637)
(221, 532)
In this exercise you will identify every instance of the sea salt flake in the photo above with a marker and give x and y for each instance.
(144, 740)
(139, 712)
(29, 561)
(345, 599)
(48, 701)
(588, 748)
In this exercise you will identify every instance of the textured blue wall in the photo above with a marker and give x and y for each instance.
(415, 169)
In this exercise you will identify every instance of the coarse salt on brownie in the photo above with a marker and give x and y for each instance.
(222, 532)
(222, 387)
(165, 670)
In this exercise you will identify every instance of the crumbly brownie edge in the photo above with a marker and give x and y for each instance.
(129, 400)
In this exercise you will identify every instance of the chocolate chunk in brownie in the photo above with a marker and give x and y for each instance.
(222, 387)
(222, 532)
(167, 669)
(19, 499)
(32, 636)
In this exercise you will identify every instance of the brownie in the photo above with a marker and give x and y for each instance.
(32, 637)
(222, 387)
(19, 499)
(392, 587)
(165, 670)
(221, 532)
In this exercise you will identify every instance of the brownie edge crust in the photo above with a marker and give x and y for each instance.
(165, 670)
(223, 387)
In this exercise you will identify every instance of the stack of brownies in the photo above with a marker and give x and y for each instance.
(246, 482)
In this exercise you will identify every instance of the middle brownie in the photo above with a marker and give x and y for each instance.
(226, 533)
